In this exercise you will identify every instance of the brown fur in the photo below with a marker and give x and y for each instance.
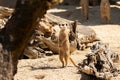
(105, 10)
(64, 47)
(85, 9)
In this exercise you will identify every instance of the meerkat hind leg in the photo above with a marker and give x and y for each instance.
(61, 59)
(66, 60)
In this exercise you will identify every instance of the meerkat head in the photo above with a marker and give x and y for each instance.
(64, 27)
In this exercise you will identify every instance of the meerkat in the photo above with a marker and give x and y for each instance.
(105, 11)
(64, 47)
(84, 9)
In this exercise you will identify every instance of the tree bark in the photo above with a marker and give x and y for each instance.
(17, 32)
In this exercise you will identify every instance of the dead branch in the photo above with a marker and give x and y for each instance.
(53, 47)
(99, 62)
(5, 12)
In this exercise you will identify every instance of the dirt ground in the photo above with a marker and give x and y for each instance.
(49, 68)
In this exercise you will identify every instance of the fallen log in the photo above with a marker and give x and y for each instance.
(99, 62)
(53, 47)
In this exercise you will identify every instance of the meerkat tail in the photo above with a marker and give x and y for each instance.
(73, 62)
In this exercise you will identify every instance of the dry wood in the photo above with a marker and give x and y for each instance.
(5, 12)
(45, 28)
(99, 62)
(53, 47)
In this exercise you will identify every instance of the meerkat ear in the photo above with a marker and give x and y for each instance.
(59, 24)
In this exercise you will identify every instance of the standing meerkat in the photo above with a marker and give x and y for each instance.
(84, 9)
(105, 11)
(64, 47)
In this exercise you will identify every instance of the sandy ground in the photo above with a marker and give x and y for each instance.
(49, 68)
